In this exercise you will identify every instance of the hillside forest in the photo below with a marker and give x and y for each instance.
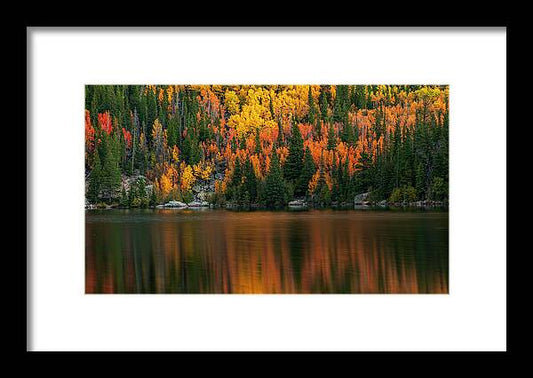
(265, 145)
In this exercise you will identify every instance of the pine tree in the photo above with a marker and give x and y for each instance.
(123, 198)
(280, 133)
(258, 148)
(332, 138)
(275, 187)
(307, 173)
(237, 174)
(132, 196)
(95, 179)
(312, 108)
(250, 180)
(322, 194)
(323, 105)
(294, 163)
(111, 176)
(153, 197)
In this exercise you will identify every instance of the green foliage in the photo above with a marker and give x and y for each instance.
(124, 198)
(187, 196)
(332, 138)
(312, 114)
(404, 194)
(439, 189)
(95, 180)
(275, 187)
(307, 173)
(250, 181)
(294, 164)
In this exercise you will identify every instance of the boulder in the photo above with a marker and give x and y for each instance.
(361, 198)
(297, 203)
(175, 204)
(194, 204)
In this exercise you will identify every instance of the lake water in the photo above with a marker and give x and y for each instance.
(219, 251)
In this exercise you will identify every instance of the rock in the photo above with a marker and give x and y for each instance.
(175, 204)
(198, 204)
(383, 203)
(298, 203)
(361, 198)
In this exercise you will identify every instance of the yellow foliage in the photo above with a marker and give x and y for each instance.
(254, 114)
(175, 154)
(165, 185)
(231, 100)
(187, 178)
(203, 170)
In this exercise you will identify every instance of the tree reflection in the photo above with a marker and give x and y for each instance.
(266, 252)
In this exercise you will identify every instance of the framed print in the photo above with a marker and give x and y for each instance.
(267, 189)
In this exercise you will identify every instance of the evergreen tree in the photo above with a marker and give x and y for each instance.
(123, 198)
(111, 176)
(322, 193)
(307, 173)
(258, 148)
(332, 138)
(95, 178)
(132, 196)
(294, 163)
(275, 187)
(153, 197)
(250, 180)
(341, 104)
(311, 116)
(323, 105)
(280, 133)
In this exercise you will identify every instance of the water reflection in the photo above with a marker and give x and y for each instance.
(176, 251)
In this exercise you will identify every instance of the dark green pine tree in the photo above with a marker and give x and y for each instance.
(123, 198)
(132, 195)
(306, 175)
(173, 132)
(237, 174)
(294, 163)
(311, 116)
(338, 187)
(275, 186)
(153, 197)
(95, 178)
(322, 194)
(323, 102)
(250, 180)
(332, 138)
(341, 104)
(257, 143)
(111, 177)
(280, 133)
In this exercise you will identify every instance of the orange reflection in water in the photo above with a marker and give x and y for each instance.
(170, 251)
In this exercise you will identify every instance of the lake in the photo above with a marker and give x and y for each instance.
(304, 252)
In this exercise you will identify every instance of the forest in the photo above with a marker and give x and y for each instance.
(263, 146)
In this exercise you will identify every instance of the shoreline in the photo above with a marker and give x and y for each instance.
(285, 208)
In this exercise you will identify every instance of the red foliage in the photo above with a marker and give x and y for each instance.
(127, 137)
(104, 121)
(89, 132)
